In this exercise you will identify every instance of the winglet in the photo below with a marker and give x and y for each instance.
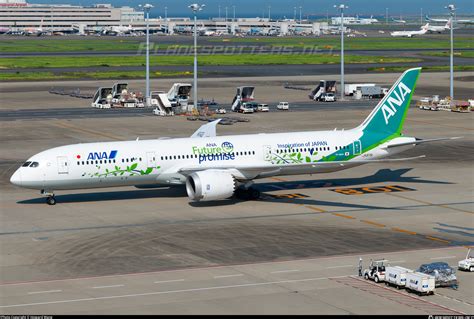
(207, 130)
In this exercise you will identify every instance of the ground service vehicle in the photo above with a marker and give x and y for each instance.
(328, 97)
(396, 276)
(283, 106)
(420, 283)
(468, 263)
(376, 270)
(263, 108)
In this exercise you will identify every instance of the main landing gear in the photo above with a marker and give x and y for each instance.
(249, 193)
(50, 199)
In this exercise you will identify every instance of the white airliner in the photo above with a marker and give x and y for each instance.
(217, 167)
(462, 21)
(438, 28)
(410, 34)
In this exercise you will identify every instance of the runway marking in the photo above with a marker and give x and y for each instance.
(432, 204)
(372, 190)
(373, 223)
(228, 266)
(228, 276)
(283, 271)
(164, 281)
(95, 133)
(319, 210)
(342, 266)
(43, 292)
(112, 286)
(438, 239)
(343, 216)
(169, 292)
(394, 295)
(443, 257)
(458, 300)
(403, 231)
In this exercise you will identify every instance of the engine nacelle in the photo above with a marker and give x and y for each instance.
(210, 185)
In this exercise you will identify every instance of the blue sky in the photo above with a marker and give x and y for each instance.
(280, 8)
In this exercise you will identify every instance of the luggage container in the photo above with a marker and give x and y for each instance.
(396, 276)
(420, 283)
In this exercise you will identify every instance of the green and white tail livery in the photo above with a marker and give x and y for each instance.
(385, 122)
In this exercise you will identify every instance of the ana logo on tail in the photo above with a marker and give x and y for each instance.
(390, 106)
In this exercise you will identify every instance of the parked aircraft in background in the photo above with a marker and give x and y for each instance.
(410, 34)
(399, 20)
(439, 29)
(462, 21)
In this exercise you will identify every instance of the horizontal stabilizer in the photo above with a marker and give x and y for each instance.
(420, 141)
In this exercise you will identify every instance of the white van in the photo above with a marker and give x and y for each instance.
(283, 106)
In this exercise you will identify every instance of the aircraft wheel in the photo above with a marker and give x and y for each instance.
(253, 193)
(51, 200)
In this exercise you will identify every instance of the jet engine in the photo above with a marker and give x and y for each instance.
(210, 185)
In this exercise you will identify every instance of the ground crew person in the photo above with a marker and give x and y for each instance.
(360, 266)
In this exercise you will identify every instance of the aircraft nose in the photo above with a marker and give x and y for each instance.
(16, 178)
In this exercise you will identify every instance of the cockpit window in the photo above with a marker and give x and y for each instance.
(26, 164)
(34, 164)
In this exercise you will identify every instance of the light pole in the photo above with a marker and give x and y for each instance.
(421, 16)
(219, 11)
(386, 15)
(226, 15)
(269, 16)
(166, 13)
(452, 10)
(233, 8)
(294, 14)
(300, 13)
(195, 8)
(147, 8)
(341, 7)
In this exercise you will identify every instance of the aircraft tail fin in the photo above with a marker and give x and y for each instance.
(387, 118)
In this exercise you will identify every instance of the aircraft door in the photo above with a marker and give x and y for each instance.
(63, 165)
(150, 159)
(267, 153)
(357, 147)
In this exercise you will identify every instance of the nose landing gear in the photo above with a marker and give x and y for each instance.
(50, 199)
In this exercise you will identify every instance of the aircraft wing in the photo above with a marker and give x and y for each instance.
(207, 130)
(270, 170)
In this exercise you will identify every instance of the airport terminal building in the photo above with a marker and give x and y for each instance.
(18, 14)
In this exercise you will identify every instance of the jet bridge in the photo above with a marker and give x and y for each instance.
(244, 94)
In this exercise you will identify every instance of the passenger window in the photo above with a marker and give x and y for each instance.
(82, 162)
(26, 164)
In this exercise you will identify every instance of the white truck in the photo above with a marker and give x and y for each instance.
(420, 283)
(396, 276)
(376, 270)
(468, 263)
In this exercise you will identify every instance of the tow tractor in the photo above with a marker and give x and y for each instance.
(468, 263)
(376, 270)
